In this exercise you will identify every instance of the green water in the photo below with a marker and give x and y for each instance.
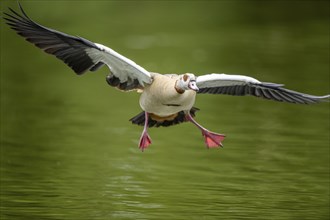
(68, 150)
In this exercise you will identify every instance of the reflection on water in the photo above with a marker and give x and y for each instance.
(69, 152)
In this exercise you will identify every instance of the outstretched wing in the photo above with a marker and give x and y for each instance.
(78, 53)
(243, 85)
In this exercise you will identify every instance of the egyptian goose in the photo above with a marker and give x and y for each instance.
(165, 99)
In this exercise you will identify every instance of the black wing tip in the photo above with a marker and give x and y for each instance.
(16, 13)
(13, 18)
(22, 10)
(70, 49)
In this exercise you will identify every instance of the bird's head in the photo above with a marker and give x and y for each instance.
(185, 82)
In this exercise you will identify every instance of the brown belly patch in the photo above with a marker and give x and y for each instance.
(163, 118)
(158, 121)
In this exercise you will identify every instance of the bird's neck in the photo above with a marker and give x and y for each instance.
(178, 87)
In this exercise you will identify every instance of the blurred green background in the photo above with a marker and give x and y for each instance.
(68, 150)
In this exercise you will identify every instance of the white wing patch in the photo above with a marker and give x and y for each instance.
(217, 80)
(122, 67)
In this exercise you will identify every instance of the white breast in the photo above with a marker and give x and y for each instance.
(162, 99)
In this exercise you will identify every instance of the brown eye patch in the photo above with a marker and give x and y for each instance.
(185, 77)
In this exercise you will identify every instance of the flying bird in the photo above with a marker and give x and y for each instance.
(166, 99)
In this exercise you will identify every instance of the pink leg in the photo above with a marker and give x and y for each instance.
(211, 139)
(145, 139)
